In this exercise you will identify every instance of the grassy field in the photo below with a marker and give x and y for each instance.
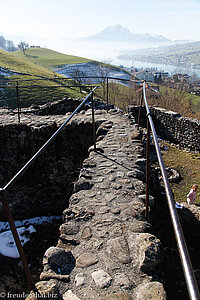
(19, 64)
(48, 58)
(188, 165)
(36, 91)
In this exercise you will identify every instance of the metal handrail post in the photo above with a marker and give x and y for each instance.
(18, 101)
(192, 286)
(141, 102)
(107, 95)
(147, 169)
(93, 121)
(11, 222)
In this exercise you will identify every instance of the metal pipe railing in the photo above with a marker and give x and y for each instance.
(192, 287)
(29, 163)
(3, 191)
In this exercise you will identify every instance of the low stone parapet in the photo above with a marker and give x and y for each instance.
(106, 249)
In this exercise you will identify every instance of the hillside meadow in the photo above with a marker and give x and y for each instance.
(48, 58)
(37, 83)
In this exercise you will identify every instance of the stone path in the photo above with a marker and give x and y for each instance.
(106, 249)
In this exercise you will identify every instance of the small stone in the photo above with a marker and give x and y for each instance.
(70, 296)
(110, 197)
(69, 229)
(125, 181)
(115, 210)
(110, 264)
(116, 186)
(118, 247)
(101, 279)
(58, 261)
(102, 185)
(43, 288)
(86, 259)
(120, 174)
(130, 212)
(151, 290)
(99, 179)
(117, 229)
(87, 233)
(91, 194)
(111, 178)
(123, 281)
(104, 210)
(145, 250)
(79, 279)
(107, 171)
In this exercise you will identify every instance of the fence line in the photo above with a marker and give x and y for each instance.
(180, 240)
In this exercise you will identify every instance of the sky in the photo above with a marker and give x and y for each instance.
(53, 23)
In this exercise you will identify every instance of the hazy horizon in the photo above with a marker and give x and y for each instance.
(58, 25)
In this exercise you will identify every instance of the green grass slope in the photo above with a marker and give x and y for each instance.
(34, 91)
(18, 64)
(48, 58)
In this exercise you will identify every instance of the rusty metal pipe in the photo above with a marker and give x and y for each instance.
(93, 122)
(192, 286)
(141, 102)
(147, 169)
(18, 101)
(107, 94)
(16, 237)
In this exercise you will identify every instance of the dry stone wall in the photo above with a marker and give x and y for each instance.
(184, 132)
(106, 249)
(51, 178)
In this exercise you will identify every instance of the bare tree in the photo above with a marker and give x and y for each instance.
(23, 46)
(103, 70)
(78, 75)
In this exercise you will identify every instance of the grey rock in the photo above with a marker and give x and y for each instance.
(82, 184)
(104, 210)
(151, 290)
(118, 247)
(123, 281)
(69, 295)
(145, 250)
(110, 197)
(58, 261)
(69, 229)
(135, 173)
(101, 279)
(87, 233)
(86, 259)
(79, 279)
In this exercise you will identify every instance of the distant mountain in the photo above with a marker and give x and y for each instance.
(118, 33)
